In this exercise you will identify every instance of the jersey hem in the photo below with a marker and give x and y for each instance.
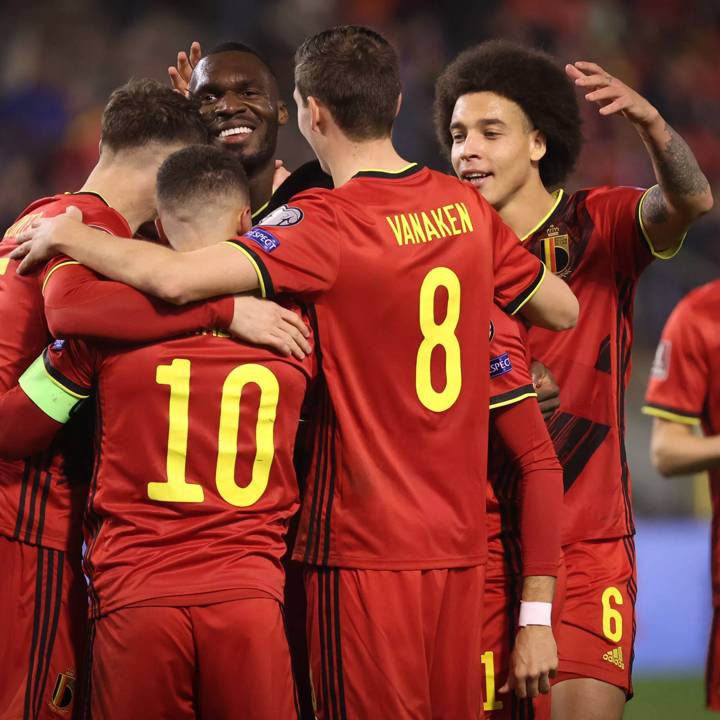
(512, 396)
(385, 564)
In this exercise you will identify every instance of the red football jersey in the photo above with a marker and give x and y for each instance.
(684, 384)
(510, 382)
(42, 497)
(594, 240)
(401, 267)
(194, 483)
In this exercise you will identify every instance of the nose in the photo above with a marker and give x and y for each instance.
(230, 103)
(471, 146)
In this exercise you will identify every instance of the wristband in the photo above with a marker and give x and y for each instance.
(535, 613)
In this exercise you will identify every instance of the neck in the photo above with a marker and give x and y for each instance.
(261, 185)
(201, 231)
(127, 189)
(527, 207)
(346, 158)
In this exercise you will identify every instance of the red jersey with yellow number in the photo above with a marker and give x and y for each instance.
(510, 382)
(402, 268)
(684, 384)
(194, 483)
(593, 239)
(42, 497)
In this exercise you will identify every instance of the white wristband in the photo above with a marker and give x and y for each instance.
(535, 613)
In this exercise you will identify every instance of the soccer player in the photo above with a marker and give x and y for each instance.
(524, 503)
(399, 261)
(509, 120)
(186, 530)
(683, 394)
(42, 597)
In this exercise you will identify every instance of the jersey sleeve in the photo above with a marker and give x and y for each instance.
(61, 379)
(80, 303)
(518, 273)
(678, 385)
(510, 380)
(295, 248)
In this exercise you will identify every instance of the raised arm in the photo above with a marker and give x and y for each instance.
(682, 193)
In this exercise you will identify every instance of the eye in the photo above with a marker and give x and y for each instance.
(457, 137)
(491, 134)
(209, 98)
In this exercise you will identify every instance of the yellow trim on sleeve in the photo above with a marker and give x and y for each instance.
(65, 389)
(57, 267)
(671, 416)
(558, 197)
(534, 290)
(253, 262)
(389, 172)
(660, 254)
(512, 401)
(256, 214)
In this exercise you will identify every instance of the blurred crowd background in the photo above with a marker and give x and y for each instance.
(61, 59)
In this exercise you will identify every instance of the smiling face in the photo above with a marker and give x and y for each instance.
(239, 101)
(494, 146)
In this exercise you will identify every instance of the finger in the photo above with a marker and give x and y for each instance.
(195, 53)
(26, 265)
(184, 67)
(505, 688)
(589, 67)
(20, 252)
(296, 349)
(520, 689)
(573, 73)
(297, 336)
(544, 683)
(177, 82)
(531, 684)
(279, 342)
(597, 80)
(622, 103)
(73, 212)
(294, 319)
(604, 94)
(553, 672)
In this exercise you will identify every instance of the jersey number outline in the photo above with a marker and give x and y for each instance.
(439, 334)
(176, 488)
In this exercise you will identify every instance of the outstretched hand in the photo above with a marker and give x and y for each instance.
(37, 243)
(180, 75)
(533, 662)
(612, 95)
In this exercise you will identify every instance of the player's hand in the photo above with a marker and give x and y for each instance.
(263, 322)
(180, 76)
(547, 389)
(611, 94)
(280, 175)
(38, 242)
(533, 662)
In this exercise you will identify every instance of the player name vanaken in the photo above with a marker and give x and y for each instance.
(424, 227)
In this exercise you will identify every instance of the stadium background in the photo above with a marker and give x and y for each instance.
(61, 59)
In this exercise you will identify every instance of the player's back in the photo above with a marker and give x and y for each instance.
(41, 497)
(194, 483)
(402, 317)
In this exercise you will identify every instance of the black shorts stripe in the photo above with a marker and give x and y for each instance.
(329, 644)
(23, 494)
(47, 480)
(338, 645)
(313, 540)
(37, 611)
(512, 307)
(86, 679)
(37, 476)
(43, 649)
(54, 600)
(333, 473)
(320, 574)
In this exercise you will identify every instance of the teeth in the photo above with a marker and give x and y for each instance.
(476, 176)
(244, 130)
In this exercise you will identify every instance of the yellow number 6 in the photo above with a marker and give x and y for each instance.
(612, 619)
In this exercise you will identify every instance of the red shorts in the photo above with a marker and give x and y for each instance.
(395, 644)
(43, 611)
(221, 661)
(712, 670)
(597, 632)
(501, 607)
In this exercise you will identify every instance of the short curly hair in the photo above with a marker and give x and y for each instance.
(528, 77)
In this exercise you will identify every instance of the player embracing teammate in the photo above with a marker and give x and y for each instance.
(508, 118)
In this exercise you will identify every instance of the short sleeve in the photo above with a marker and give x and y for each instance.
(61, 378)
(518, 273)
(296, 247)
(678, 384)
(510, 380)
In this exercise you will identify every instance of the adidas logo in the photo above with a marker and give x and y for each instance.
(615, 656)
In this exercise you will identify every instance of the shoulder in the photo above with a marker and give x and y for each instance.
(604, 196)
(703, 300)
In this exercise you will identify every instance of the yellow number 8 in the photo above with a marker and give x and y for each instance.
(434, 335)
(612, 619)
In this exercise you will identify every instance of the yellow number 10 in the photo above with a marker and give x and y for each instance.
(434, 335)
(176, 488)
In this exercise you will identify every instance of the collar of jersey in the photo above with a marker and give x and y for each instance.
(260, 210)
(89, 192)
(559, 195)
(410, 169)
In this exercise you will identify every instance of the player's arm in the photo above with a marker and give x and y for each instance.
(682, 193)
(551, 305)
(175, 277)
(675, 449)
(534, 658)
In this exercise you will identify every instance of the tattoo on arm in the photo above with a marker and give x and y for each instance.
(678, 172)
(655, 209)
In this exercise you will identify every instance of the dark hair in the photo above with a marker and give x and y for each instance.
(354, 71)
(530, 78)
(197, 173)
(143, 111)
(233, 46)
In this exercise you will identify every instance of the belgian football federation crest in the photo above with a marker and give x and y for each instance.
(555, 251)
(63, 693)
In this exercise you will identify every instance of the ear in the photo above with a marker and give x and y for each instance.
(244, 221)
(282, 112)
(398, 105)
(161, 231)
(317, 113)
(538, 145)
